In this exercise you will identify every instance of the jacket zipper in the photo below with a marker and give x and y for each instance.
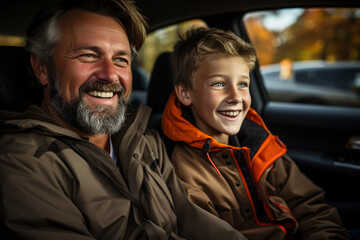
(251, 200)
(206, 149)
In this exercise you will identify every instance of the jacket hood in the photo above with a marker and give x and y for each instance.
(33, 119)
(254, 135)
(178, 129)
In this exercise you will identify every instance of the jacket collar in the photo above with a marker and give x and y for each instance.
(254, 135)
(179, 129)
(33, 119)
(129, 136)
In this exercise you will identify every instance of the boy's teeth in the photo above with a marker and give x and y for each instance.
(230, 113)
(101, 94)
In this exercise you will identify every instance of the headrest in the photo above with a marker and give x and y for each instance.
(140, 79)
(161, 82)
(16, 89)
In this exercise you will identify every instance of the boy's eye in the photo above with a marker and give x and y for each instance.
(217, 84)
(243, 85)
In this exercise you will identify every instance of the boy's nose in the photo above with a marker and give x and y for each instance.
(107, 71)
(234, 96)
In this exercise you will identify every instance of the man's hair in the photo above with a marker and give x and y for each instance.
(43, 32)
(200, 43)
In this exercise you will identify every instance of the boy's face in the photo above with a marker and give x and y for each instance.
(220, 98)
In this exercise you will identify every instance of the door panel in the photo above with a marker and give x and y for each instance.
(317, 138)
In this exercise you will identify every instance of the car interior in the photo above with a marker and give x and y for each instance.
(324, 140)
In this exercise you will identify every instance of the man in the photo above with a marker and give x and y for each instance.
(82, 166)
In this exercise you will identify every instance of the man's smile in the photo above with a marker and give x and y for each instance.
(100, 94)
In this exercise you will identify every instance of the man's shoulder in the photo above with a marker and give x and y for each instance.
(24, 142)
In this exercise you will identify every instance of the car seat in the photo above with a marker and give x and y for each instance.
(17, 82)
(160, 87)
(161, 82)
(140, 83)
(17, 90)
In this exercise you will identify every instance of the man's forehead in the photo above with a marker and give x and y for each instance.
(79, 18)
(82, 27)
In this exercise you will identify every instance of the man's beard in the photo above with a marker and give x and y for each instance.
(102, 119)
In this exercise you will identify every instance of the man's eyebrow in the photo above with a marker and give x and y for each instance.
(88, 47)
(123, 52)
(98, 50)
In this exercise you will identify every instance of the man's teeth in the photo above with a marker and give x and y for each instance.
(101, 94)
(229, 113)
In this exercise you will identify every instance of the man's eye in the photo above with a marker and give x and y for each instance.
(87, 57)
(121, 60)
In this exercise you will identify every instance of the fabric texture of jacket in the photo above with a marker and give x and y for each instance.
(251, 183)
(56, 185)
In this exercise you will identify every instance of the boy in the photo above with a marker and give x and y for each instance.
(227, 160)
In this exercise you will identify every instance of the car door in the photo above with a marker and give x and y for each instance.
(322, 137)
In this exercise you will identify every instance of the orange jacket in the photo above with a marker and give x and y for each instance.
(256, 187)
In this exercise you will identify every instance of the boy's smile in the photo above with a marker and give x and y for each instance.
(220, 97)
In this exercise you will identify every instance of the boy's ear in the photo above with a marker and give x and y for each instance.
(183, 94)
(40, 70)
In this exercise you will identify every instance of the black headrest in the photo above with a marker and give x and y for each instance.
(140, 79)
(17, 91)
(161, 82)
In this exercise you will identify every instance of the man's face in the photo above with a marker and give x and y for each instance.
(91, 82)
(220, 97)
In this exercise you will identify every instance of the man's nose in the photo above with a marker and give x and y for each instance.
(107, 71)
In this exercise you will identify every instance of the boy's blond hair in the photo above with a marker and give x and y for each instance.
(200, 43)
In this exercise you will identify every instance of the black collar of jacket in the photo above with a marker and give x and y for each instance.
(251, 134)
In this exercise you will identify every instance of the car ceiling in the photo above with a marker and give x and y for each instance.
(163, 12)
(16, 14)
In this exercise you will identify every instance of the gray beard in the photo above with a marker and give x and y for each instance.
(100, 120)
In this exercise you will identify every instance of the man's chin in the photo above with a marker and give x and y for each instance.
(104, 110)
(101, 108)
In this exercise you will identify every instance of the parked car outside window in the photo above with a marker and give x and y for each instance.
(315, 82)
(308, 55)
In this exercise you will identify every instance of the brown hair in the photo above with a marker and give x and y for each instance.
(43, 32)
(200, 43)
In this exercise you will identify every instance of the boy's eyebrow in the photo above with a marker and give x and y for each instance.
(225, 76)
(216, 75)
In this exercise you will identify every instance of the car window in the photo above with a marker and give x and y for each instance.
(10, 40)
(308, 55)
(163, 40)
(156, 42)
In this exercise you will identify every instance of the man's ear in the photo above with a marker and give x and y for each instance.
(40, 70)
(183, 94)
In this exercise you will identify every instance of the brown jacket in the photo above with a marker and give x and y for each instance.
(256, 187)
(55, 185)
